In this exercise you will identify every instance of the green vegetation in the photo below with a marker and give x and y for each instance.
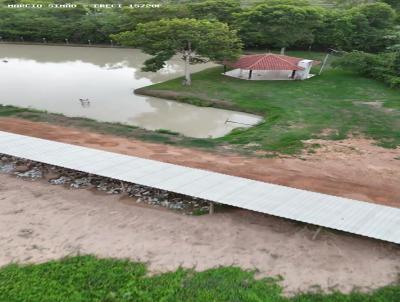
(322, 24)
(86, 278)
(330, 106)
(196, 41)
(166, 131)
(384, 66)
(279, 24)
(366, 27)
(55, 25)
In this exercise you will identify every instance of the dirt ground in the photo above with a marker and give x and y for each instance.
(353, 168)
(39, 222)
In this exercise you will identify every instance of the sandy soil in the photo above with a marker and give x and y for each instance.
(353, 168)
(39, 222)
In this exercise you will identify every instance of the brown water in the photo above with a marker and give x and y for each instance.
(98, 83)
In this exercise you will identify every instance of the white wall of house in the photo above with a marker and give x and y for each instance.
(304, 74)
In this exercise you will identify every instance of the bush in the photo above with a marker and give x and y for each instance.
(383, 67)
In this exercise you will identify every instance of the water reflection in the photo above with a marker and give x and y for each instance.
(98, 83)
(202, 122)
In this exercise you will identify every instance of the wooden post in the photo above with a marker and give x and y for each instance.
(250, 73)
(224, 68)
(211, 211)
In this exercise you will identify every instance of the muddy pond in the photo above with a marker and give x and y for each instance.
(98, 83)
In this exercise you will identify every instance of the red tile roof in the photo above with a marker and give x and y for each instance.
(268, 61)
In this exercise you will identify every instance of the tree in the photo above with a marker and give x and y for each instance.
(352, 3)
(379, 15)
(370, 24)
(394, 3)
(221, 10)
(196, 40)
(279, 25)
(144, 15)
(284, 2)
(383, 66)
(396, 63)
(393, 39)
(368, 27)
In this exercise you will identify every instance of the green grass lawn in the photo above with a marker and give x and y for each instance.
(338, 100)
(87, 279)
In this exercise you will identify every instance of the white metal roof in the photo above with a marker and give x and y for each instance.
(358, 217)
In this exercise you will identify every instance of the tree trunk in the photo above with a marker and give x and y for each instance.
(188, 79)
(188, 53)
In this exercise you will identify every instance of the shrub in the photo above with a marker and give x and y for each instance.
(383, 66)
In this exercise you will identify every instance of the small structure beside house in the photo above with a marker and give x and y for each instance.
(270, 66)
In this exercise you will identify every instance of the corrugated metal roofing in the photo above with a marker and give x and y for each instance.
(353, 216)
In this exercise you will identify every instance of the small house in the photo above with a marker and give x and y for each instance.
(270, 66)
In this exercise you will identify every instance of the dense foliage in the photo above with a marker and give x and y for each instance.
(86, 278)
(279, 24)
(365, 27)
(384, 66)
(55, 25)
(195, 40)
(262, 24)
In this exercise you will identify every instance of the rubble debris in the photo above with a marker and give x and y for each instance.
(31, 174)
(29, 170)
(79, 183)
(61, 180)
(6, 167)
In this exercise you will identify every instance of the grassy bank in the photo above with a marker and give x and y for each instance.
(86, 278)
(331, 106)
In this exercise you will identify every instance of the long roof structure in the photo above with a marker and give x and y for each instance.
(357, 217)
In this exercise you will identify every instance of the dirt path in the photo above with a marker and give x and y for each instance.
(353, 168)
(39, 222)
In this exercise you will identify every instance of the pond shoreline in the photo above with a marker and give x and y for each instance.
(193, 99)
(117, 129)
(99, 83)
(65, 44)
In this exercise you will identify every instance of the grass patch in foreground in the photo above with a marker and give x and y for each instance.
(338, 102)
(86, 278)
